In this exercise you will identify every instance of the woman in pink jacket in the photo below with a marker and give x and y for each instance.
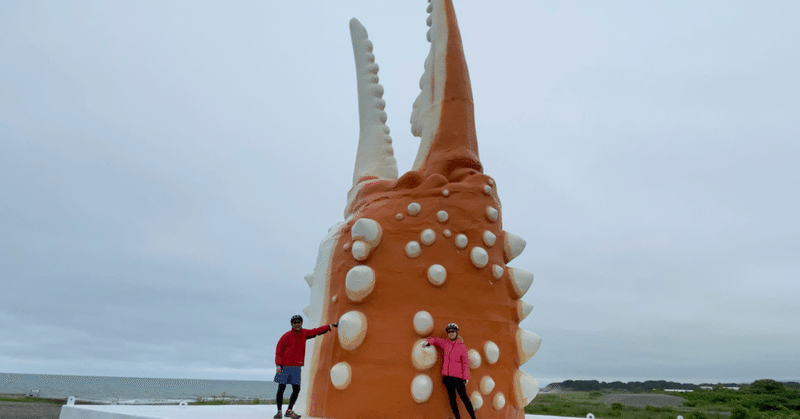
(455, 368)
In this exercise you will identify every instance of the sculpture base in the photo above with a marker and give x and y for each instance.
(183, 412)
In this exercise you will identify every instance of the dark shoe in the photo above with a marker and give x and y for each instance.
(291, 414)
(278, 415)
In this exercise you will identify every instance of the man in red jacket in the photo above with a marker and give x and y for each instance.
(289, 357)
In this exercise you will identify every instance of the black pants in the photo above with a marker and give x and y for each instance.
(292, 398)
(453, 385)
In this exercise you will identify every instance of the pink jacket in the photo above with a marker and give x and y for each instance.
(456, 360)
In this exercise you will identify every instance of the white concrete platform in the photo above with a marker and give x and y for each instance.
(183, 412)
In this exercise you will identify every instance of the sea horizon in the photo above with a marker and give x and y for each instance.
(134, 390)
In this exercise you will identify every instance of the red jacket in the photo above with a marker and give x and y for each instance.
(455, 361)
(291, 349)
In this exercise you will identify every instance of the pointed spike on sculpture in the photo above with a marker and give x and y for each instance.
(443, 114)
(309, 279)
(513, 246)
(521, 281)
(375, 156)
(523, 310)
(525, 389)
(527, 345)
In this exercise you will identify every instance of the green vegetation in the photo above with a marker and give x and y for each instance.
(760, 400)
(32, 400)
(580, 403)
(632, 386)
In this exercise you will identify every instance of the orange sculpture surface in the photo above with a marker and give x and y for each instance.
(415, 253)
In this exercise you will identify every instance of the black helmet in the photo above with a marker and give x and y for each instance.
(451, 326)
(296, 317)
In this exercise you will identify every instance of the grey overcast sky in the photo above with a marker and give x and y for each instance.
(168, 169)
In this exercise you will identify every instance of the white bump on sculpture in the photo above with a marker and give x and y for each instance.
(490, 182)
(442, 216)
(497, 271)
(447, 233)
(521, 281)
(513, 246)
(361, 250)
(423, 323)
(491, 213)
(412, 249)
(414, 208)
(523, 310)
(474, 359)
(352, 329)
(359, 282)
(461, 241)
(445, 193)
(477, 400)
(341, 374)
(527, 345)
(307, 310)
(492, 352)
(499, 401)
(479, 257)
(487, 189)
(489, 238)
(367, 230)
(399, 216)
(309, 279)
(437, 274)
(428, 236)
(333, 298)
(423, 357)
(525, 388)
(487, 385)
(346, 246)
(421, 388)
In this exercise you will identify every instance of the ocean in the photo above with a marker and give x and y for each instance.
(132, 390)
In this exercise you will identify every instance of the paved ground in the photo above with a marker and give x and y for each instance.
(641, 400)
(20, 410)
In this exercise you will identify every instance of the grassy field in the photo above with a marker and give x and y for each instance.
(709, 404)
(581, 403)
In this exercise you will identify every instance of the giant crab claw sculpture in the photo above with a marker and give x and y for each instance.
(415, 253)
